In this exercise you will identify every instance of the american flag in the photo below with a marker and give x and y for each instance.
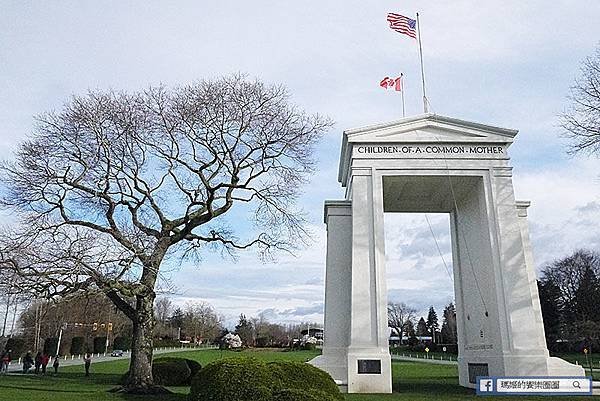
(402, 24)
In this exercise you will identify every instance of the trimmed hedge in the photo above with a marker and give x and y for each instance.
(249, 379)
(194, 366)
(232, 379)
(16, 345)
(51, 345)
(171, 371)
(77, 346)
(291, 394)
(302, 376)
(99, 345)
(122, 343)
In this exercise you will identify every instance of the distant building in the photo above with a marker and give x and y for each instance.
(313, 332)
(394, 340)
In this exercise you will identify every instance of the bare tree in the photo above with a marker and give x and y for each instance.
(115, 184)
(399, 314)
(163, 308)
(201, 321)
(582, 120)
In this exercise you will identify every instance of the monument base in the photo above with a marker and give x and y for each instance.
(358, 370)
(334, 362)
(469, 367)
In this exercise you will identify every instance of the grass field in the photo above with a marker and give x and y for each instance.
(413, 381)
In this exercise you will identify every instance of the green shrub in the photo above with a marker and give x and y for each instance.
(16, 345)
(232, 379)
(122, 343)
(290, 394)
(194, 368)
(50, 346)
(309, 347)
(77, 346)
(99, 345)
(171, 371)
(302, 376)
(249, 379)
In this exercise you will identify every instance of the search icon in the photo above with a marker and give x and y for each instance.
(576, 384)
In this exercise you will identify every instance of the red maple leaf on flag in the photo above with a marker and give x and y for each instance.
(388, 82)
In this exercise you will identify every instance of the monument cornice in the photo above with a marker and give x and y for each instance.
(425, 128)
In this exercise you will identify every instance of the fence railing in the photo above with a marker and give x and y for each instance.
(125, 353)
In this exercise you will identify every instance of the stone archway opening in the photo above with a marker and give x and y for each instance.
(419, 270)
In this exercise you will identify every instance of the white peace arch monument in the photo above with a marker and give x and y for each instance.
(430, 163)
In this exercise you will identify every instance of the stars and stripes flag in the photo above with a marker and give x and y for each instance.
(402, 24)
(388, 82)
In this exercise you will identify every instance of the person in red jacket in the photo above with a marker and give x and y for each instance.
(5, 361)
(45, 360)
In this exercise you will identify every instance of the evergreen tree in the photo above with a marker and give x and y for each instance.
(449, 335)
(432, 323)
(422, 329)
(176, 319)
(409, 329)
(245, 330)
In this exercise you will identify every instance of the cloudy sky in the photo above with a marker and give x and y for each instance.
(507, 63)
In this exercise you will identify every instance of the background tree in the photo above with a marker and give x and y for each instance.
(77, 315)
(448, 332)
(399, 315)
(114, 184)
(571, 288)
(245, 330)
(201, 322)
(581, 121)
(176, 321)
(422, 329)
(432, 323)
(163, 308)
(549, 301)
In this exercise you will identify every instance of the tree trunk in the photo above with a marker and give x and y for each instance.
(140, 378)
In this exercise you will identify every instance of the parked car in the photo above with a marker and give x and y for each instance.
(117, 352)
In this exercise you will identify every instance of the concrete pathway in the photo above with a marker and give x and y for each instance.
(16, 366)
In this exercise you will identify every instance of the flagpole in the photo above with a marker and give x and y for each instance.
(402, 92)
(425, 108)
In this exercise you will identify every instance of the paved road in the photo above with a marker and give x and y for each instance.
(15, 366)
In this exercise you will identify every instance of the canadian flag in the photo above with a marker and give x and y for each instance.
(395, 83)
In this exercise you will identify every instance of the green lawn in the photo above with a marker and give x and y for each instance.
(413, 381)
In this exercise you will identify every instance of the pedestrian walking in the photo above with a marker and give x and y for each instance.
(38, 362)
(56, 364)
(88, 361)
(5, 361)
(27, 362)
(45, 360)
